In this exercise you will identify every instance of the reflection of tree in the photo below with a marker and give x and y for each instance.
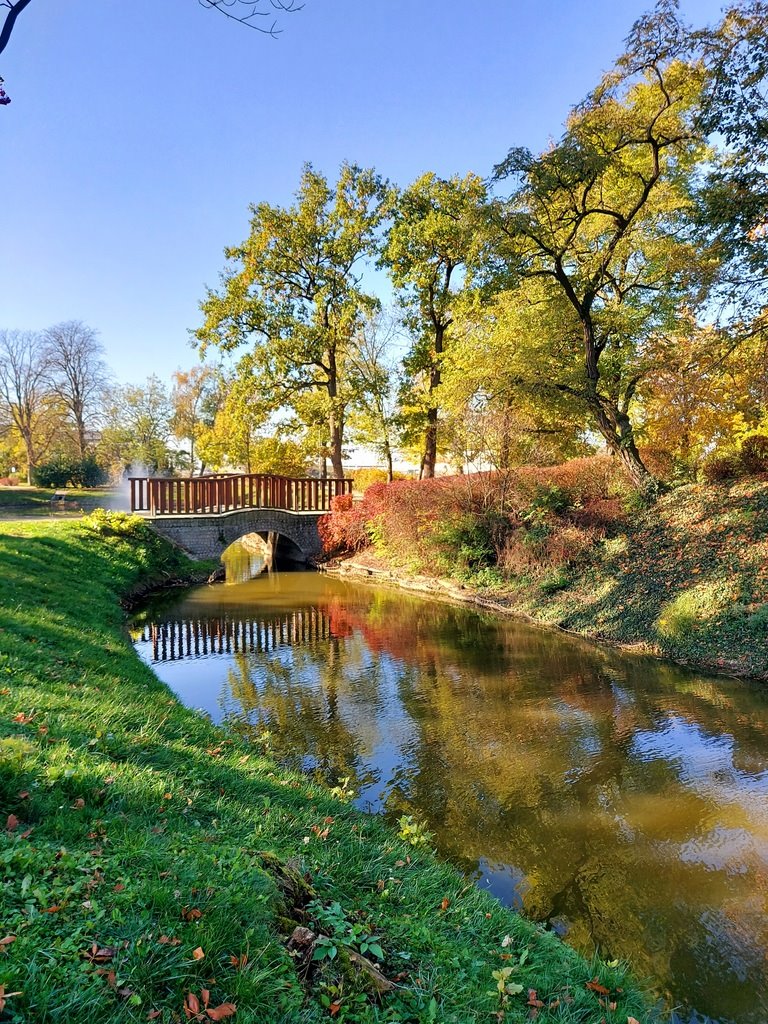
(301, 698)
(625, 791)
(526, 755)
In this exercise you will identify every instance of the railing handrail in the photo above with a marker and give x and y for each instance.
(228, 492)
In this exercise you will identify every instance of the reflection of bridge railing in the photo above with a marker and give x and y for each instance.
(196, 638)
(217, 494)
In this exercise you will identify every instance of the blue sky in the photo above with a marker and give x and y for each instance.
(140, 130)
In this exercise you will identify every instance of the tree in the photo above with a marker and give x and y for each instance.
(374, 418)
(432, 240)
(25, 395)
(293, 293)
(137, 430)
(593, 230)
(735, 193)
(76, 374)
(195, 400)
(247, 12)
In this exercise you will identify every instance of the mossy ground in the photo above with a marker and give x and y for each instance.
(139, 844)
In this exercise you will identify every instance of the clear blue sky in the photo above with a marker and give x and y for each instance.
(140, 130)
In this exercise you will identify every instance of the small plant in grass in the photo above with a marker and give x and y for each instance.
(342, 790)
(341, 932)
(414, 832)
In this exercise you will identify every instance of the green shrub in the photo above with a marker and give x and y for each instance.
(117, 524)
(88, 473)
(467, 542)
(548, 500)
(55, 473)
(63, 470)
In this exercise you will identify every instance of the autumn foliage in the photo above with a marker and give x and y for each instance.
(527, 519)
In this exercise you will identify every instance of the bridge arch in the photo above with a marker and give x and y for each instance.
(209, 535)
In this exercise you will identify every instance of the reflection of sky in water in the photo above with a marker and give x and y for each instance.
(705, 763)
(611, 800)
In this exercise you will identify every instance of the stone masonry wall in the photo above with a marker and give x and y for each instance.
(207, 536)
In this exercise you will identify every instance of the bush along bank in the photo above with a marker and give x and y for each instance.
(154, 868)
(568, 546)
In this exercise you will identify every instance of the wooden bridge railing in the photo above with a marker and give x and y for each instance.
(217, 494)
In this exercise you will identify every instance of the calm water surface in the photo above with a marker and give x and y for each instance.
(621, 800)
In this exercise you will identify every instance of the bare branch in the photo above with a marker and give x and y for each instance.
(248, 11)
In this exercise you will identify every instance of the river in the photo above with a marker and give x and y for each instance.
(620, 799)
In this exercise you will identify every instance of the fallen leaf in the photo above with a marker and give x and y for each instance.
(632, 1020)
(191, 913)
(506, 941)
(533, 999)
(5, 995)
(192, 1006)
(118, 888)
(23, 794)
(154, 1014)
(12, 823)
(78, 805)
(7, 941)
(222, 1012)
(166, 940)
(595, 986)
(198, 954)
(98, 954)
(445, 903)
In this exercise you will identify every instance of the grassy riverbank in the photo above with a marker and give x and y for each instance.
(153, 868)
(685, 579)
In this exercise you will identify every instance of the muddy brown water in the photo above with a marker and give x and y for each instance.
(621, 800)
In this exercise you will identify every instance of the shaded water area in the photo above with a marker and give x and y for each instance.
(621, 800)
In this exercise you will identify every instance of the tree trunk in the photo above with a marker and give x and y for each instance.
(30, 450)
(617, 431)
(335, 419)
(81, 442)
(390, 473)
(430, 444)
(435, 377)
(336, 448)
(613, 423)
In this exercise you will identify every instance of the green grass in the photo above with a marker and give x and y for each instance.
(136, 836)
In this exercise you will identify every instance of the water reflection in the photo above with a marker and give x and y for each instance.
(621, 799)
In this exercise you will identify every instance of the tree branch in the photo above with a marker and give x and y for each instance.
(14, 10)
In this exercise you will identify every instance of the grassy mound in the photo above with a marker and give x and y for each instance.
(152, 868)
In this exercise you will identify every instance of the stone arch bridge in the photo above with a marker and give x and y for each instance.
(204, 515)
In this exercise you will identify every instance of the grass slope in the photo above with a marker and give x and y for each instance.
(152, 868)
(687, 579)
